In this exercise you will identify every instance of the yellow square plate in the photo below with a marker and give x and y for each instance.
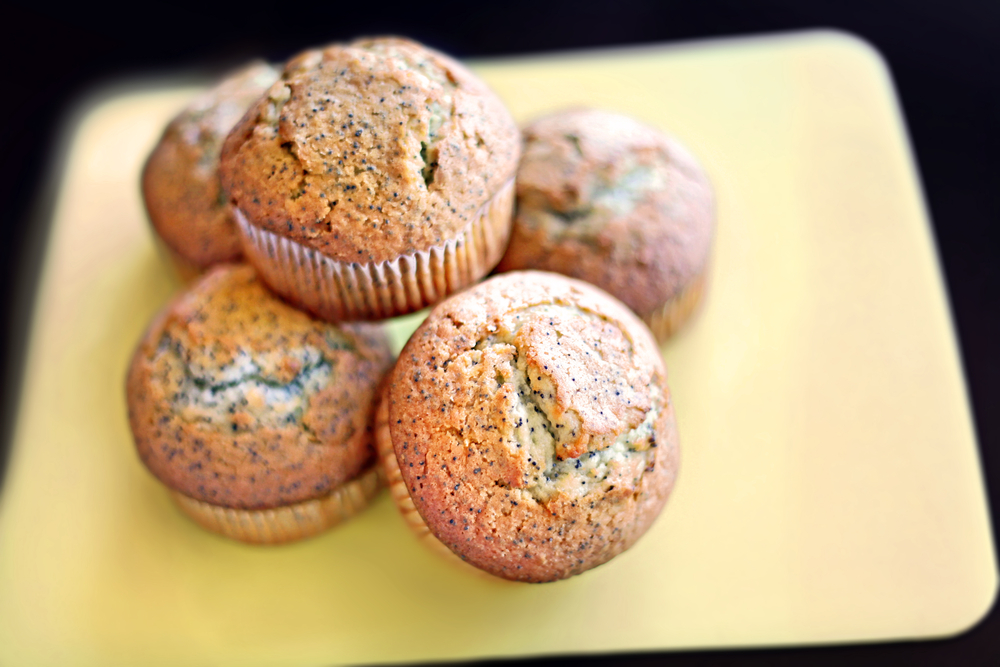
(830, 489)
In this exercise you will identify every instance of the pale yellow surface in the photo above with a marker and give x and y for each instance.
(830, 489)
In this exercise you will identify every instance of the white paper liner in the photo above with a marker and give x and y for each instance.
(339, 291)
(288, 523)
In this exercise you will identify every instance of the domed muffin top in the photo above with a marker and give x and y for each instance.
(237, 399)
(607, 199)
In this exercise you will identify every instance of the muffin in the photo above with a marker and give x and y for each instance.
(255, 415)
(528, 427)
(605, 199)
(373, 179)
(180, 182)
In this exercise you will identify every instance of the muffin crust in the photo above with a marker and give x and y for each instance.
(605, 199)
(180, 181)
(238, 400)
(370, 150)
(533, 427)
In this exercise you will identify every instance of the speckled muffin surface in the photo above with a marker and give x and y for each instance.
(532, 424)
(238, 400)
(371, 150)
(606, 199)
(180, 181)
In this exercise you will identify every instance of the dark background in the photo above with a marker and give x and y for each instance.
(944, 57)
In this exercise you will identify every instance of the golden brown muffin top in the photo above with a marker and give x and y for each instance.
(533, 426)
(180, 182)
(606, 199)
(237, 399)
(370, 150)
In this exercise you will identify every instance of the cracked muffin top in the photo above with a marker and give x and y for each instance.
(180, 182)
(239, 400)
(606, 199)
(533, 426)
(370, 150)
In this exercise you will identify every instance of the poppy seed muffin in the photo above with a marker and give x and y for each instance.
(531, 427)
(605, 199)
(254, 414)
(373, 179)
(180, 181)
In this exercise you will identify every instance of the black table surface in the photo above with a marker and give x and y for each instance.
(944, 57)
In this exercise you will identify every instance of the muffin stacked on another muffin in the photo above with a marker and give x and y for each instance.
(605, 199)
(254, 414)
(180, 181)
(373, 179)
(528, 424)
